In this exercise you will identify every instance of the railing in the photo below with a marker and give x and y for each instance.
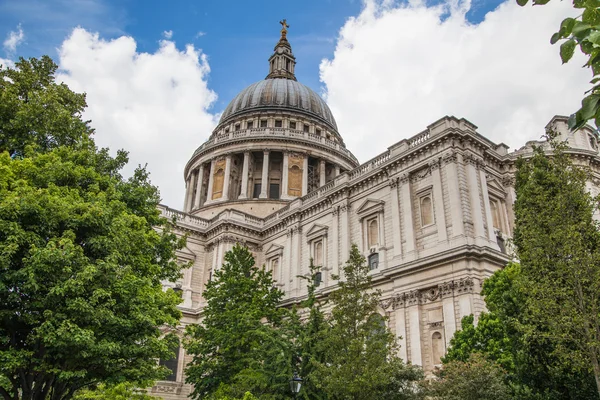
(370, 165)
(284, 132)
(418, 139)
(182, 217)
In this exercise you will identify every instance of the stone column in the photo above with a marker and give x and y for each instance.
(456, 212)
(414, 323)
(305, 176)
(188, 188)
(199, 186)
(322, 172)
(473, 182)
(227, 178)
(400, 318)
(438, 201)
(211, 178)
(486, 205)
(396, 234)
(264, 194)
(335, 232)
(407, 216)
(344, 232)
(337, 170)
(190, 192)
(244, 193)
(284, 176)
(447, 292)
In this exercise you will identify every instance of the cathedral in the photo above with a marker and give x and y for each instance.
(432, 215)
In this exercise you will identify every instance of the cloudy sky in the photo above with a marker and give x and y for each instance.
(157, 74)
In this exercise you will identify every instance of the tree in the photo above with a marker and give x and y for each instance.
(583, 31)
(122, 391)
(37, 111)
(311, 335)
(82, 252)
(474, 379)
(360, 360)
(242, 343)
(558, 244)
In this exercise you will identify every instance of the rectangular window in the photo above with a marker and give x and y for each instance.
(172, 364)
(306, 127)
(318, 131)
(237, 127)
(292, 124)
(263, 123)
(274, 191)
(257, 188)
(227, 130)
(278, 123)
(318, 278)
(373, 261)
(249, 124)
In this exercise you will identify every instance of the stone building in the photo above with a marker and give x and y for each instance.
(432, 214)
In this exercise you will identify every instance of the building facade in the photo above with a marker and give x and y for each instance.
(432, 215)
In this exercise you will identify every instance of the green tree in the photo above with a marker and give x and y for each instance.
(310, 335)
(582, 31)
(37, 111)
(474, 379)
(122, 391)
(558, 243)
(242, 343)
(82, 252)
(360, 360)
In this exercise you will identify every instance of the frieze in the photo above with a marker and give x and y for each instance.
(423, 296)
(417, 176)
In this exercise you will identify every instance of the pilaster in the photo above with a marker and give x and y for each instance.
(407, 216)
(438, 200)
(472, 179)
(453, 183)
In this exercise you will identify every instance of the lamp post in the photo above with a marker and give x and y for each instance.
(295, 384)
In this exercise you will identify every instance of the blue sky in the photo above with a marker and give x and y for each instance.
(238, 36)
(386, 68)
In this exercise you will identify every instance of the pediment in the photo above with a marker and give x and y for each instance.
(316, 231)
(370, 206)
(185, 254)
(274, 249)
(496, 188)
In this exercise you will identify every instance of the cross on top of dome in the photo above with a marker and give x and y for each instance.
(282, 62)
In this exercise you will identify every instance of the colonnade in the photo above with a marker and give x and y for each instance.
(273, 174)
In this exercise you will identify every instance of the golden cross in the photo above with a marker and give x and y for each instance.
(284, 26)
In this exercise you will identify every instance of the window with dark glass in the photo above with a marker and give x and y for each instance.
(237, 127)
(171, 364)
(256, 192)
(373, 261)
(274, 191)
(249, 124)
(292, 124)
(318, 131)
(318, 278)
(278, 123)
(263, 123)
(306, 127)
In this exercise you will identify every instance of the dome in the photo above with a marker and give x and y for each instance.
(279, 93)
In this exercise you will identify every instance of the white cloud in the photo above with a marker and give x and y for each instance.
(13, 39)
(200, 34)
(6, 63)
(168, 34)
(154, 105)
(398, 68)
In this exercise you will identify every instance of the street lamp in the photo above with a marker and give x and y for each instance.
(295, 384)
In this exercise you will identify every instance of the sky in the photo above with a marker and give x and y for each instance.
(157, 74)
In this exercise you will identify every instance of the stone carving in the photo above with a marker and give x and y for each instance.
(434, 164)
(421, 296)
(449, 157)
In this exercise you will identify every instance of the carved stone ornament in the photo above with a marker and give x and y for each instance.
(394, 182)
(335, 210)
(472, 160)
(403, 179)
(167, 387)
(417, 176)
(449, 157)
(508, 181)
(434, 164)
(421, 296)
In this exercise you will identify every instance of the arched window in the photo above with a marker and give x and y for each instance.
(318, 253)
(373, 232)
(437, 347)
(295, 181)
(495, 206)
(275, 268)
(219, 179)
(172, 364)
(426, 208)
(373, 261)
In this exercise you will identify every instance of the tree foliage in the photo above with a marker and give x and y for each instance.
(243, 343)
(474, 379)
(583, 32)
(122, 391)
(82, 250)
(37, 111)
(360, 352)
(558, 244)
